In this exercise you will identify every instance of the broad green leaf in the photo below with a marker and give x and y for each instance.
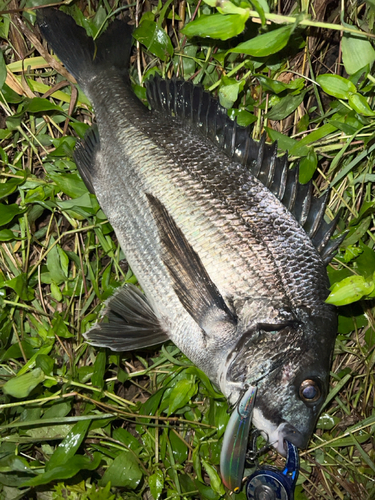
(285, 106)
(327, 421)
(179, 448)
(228, 94)
(359, 103)
(40, 105)
(44, 362)
(308, 166)
(181, 394)
(258, 7)
(156, 484)
(99, 369)
(266, 44)
(69, 446)
(357, 52)
(225, 7)
(154, 39)
(70, 184)
(54, 265)
(350, 290)
(67, 470)
(216, 26)
(336, 85)
(7, 235)
(272, 85)
(20, 286)
(126, 438)
(242, 117)
(189, 63)
(3, 70)
(8, 187)
(20, 387)
(357, 231)
(300, 147)
(80, 128)
(284, 142)
(8, 212)
(59, 327)
(124, 471)
(215, 480)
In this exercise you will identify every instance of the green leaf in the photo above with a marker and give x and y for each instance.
(8, 212)
(266, 44)
(45, 362)
(300, 147)
(60, 328)
(359, 103)
(215, 480)
(40, 105)
(350, 290)
(99, 369)
(156, 484)
(70, 184)
(53, 264)
(228, 94)
(181, 394)
(124, 471)
(7, 235)
(20, 387)
(19, 285)
(242, 117)
(308, 166)
(69, 446)
(126, 438)
(179, 448)
(260, 11)
(284, 142)
(336, 85)
(154, 39)
(285, 106)
(217, 26)
(67, 470)
(357, 52)
(3, 70)
(8, 187)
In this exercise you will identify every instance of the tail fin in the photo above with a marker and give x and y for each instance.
(82, 55)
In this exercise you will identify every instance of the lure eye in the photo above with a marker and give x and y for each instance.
(309, 391)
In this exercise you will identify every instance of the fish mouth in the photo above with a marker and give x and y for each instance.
(287, 432)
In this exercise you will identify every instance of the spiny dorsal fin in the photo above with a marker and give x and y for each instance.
(198, 109)
(191, 282)
(86, 156)
(131, 323)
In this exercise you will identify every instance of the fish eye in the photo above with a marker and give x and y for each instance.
(309, 391)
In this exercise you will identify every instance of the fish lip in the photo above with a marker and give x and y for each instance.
(287, 432)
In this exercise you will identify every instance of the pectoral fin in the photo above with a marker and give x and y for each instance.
(129, 323)
(191, 282)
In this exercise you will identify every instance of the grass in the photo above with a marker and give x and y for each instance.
(150, 423)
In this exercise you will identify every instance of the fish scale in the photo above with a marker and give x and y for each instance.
(210, 222)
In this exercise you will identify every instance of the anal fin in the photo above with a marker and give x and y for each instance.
(129, 323)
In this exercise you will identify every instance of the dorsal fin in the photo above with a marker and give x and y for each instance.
(199, 110)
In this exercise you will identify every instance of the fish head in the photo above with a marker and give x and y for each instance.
(290, 366)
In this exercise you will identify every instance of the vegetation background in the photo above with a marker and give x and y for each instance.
(83, 423)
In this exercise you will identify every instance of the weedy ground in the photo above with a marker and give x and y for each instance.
(83, 423)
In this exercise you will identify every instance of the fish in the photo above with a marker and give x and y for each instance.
(229, 248)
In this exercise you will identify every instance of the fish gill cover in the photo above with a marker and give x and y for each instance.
(59, 261)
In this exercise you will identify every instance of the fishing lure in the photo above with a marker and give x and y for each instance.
(266, 483)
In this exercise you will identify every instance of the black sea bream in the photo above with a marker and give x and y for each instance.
(229, 249)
